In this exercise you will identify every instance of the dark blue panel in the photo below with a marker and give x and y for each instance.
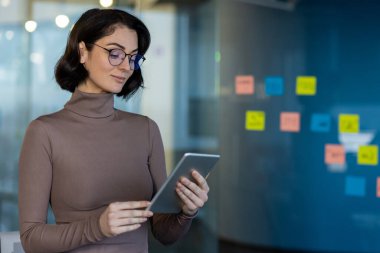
(281, 193)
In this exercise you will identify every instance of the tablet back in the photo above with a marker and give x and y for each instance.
(166, 199)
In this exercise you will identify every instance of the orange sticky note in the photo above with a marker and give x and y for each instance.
(335, 154)
(244, 85)
(290, 121)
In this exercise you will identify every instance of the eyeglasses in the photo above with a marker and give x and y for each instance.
(116, 57)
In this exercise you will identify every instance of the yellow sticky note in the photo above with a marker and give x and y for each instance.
(255, 120)
(368, 155)
(349, 123)
(306, 85)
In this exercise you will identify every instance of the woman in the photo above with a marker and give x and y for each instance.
(98, 167)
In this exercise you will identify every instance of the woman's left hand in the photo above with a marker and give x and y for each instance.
(193, 195)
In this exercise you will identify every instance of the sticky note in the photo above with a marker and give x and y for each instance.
(320, 122)
(274, 86)
(334, 154)
(255, 120)
(355, 186)
(244, 85)
(349, 123)
(306, 85)
(368, 155)
(378, 187)
(290, 121)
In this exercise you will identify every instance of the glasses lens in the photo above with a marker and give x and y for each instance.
(116, 57)
(136, 61)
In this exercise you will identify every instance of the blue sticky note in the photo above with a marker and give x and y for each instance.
(355, 186)
(274, 86)
(320, 122)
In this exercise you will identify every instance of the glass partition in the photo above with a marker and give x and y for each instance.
(180, 92)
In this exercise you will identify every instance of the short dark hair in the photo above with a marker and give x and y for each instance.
(93, 25)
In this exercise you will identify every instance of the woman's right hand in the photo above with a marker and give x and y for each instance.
(121, 217)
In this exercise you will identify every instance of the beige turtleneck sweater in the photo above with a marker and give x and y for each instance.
(81, 159)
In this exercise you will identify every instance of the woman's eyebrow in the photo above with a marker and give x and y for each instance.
(118, 45)
(115, 44)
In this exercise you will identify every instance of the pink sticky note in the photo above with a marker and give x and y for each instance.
(378, 187)
(290, 121)
(335, 154)
(244, 85)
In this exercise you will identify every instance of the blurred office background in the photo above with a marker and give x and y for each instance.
(273, 190)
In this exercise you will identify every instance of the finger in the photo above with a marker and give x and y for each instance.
(186, 201)
(196, 200)
(201, 180)
(127, 221)
(194, 188)
(128, 205)
(123, 229)
(134, 214)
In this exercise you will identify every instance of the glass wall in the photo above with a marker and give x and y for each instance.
(179, 94)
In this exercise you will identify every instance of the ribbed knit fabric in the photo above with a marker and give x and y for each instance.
(81, 159)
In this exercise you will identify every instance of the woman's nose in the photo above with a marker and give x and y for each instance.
(125, 65)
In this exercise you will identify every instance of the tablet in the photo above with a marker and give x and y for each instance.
(166, 199)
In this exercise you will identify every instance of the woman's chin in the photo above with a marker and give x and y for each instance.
(115, 89)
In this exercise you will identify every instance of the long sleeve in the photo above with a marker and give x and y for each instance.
(35, 182)
(167, 228)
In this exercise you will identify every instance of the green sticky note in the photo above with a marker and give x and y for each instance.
(368, 155)
(349, 123)
(255, 120)
(306, 85)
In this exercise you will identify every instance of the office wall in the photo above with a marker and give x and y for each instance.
(279, 189)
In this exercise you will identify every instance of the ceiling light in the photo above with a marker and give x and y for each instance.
(5, 3)
(106, 3)
(62, 21)
(30, 26)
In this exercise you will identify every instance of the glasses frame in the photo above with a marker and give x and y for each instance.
(131, 65)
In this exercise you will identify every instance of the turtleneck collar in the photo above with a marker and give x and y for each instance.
(92, 105)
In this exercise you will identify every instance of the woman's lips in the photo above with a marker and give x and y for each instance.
(120, 79)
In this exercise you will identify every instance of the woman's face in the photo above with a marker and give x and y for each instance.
(103, 77)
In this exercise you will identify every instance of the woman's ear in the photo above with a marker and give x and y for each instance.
(83, 52)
